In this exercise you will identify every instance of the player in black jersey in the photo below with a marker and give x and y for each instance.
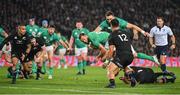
(36, 53)
(147, 75)
(21, 46)
(119, 40)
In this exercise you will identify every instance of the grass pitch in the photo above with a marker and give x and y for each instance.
(65, 81)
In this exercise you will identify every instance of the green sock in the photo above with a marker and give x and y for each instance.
(18, 66)
(51, 71)
(80, 66)
(44, 67)
(34, 67)
(84, 64)
(144, 56)
(62, 61)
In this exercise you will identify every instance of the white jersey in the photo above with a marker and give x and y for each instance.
(161, 35)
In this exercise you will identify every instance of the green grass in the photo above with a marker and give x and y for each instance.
(66, 81)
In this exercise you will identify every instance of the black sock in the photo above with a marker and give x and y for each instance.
(14, 73)
(38, 73)
(112, 81)
(163, 67)
(25, 74)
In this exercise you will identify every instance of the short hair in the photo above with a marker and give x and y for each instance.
(51, 26)
(80, 35)
(21, 24)
(160, 17)
(108, 13)
(114, 23)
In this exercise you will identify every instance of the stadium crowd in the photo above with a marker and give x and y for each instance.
(64, 13)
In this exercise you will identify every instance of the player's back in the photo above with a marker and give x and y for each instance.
(144, 75)
(122, 41)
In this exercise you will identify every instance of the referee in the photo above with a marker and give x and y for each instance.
(159, 41)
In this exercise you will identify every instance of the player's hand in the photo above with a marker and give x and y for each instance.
(68, 50)
(173, 47)
(44, 48)
(23, 57)
(146, 34)
(153, 46)
(135, 37)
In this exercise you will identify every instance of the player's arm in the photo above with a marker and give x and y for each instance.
(4, 34)
(98, 29)
(173, 39)
(151, 39)
(64, 44)
(102, 51)
(135, 36)
(71, 42)
(28, 49)
(110, 51)
(136, 28)
(6, 40)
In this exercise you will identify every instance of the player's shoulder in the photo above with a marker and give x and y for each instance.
(27, 26)
(104, 22)
(154, 28)
(166, 27)
(85, 28)
(74, 30)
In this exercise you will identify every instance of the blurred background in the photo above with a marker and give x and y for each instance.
(64, 14)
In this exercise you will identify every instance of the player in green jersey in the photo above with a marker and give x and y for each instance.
(80, 48)
(32, 29)
(44, 28)
(61, 51)
(50, 39)
(96, 40)
(123, 25)
(3, 35)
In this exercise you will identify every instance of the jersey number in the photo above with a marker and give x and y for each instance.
(123, 37)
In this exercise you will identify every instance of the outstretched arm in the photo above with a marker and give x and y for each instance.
(134, 27)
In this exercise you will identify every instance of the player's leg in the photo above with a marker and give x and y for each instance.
(144, 56)
(161, 52)
(50, 59)
(62, 59)
(44, 58)
(25, 69)
(14, 70)
(84, 58)
(124, 61)
(111, 75)
(39, 60)
(80, 63)
(129, 72)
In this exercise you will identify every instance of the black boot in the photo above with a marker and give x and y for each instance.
(38, 74)
(25, 74)
(132, 79)
(84, 71)
(111, 84)
(79, 73)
